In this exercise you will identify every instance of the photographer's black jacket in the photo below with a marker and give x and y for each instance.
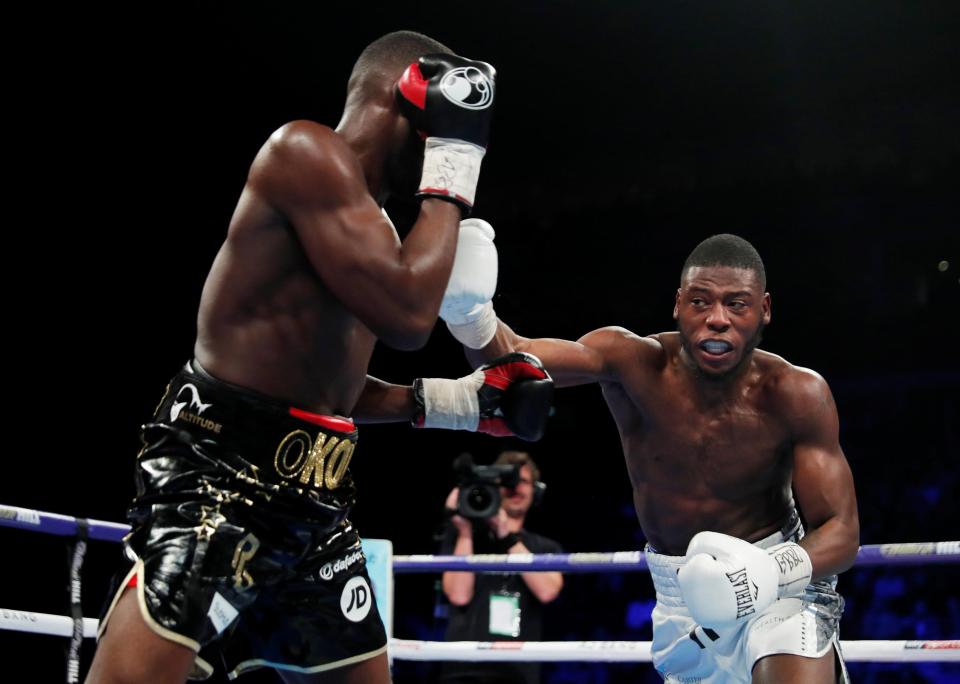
(471, 622)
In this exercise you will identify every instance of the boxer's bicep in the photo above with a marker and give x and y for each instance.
(319, 189)
(822, 479)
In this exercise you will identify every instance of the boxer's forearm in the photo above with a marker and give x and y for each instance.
(383, 402)
(832, 546)
(504, 341)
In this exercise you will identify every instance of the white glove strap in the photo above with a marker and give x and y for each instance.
(795, 567)
(479, 328)
(452, 404)
(451, 168)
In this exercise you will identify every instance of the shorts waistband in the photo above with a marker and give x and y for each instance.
(266, 403)
(282, 445)
(663, 568)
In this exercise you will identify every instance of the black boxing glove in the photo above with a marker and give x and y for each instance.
(510, 396)
(449, 100)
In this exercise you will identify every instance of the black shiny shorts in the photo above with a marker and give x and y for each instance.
(240, 540)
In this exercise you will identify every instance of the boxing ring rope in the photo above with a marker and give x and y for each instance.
(523, 651)
(921, 553)
(544, 651)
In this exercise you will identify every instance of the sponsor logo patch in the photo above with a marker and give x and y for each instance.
(329, 570)
(356, 599)
(196, 408)
(221, 613)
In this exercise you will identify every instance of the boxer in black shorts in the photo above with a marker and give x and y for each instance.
(240, 536)
(241, 509)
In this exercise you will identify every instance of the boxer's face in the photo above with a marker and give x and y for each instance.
(720, 312)
(517, 501)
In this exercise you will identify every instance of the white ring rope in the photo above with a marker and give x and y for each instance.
(523, 651)
(44, 623)
(639, 651)
(533, 651)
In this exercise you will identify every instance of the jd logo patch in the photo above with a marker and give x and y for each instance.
(356, 599)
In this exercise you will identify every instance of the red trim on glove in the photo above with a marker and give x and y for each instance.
(441, 192)
(413, 87)
(502, 376)
(494, 426)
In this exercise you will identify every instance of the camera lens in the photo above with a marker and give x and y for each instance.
(479, 498)
(479, 501)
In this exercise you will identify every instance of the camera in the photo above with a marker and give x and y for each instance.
(480, 486)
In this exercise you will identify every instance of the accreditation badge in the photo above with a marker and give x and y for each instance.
(505, 614)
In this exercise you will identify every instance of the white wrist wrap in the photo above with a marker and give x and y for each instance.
(452, 404)
(478, 329)
(451, 168)
(795, 568)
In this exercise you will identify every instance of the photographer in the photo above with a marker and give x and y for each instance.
(497, 606)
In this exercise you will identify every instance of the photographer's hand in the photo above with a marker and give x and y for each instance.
(544, 585)
(463, 526)
(500, 524)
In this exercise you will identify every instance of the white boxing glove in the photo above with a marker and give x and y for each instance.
(467, 307)
(726, 581)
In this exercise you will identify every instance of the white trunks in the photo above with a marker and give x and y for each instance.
(684, 653)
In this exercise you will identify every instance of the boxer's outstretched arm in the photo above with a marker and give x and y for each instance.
(598, 356)
(822, 481)
(314, 181)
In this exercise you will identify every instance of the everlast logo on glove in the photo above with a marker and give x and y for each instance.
(321, 463)
(741, 588)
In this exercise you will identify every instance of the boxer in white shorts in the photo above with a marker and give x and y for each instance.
(724, 444)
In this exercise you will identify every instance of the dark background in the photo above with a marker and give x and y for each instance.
(625, 133)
